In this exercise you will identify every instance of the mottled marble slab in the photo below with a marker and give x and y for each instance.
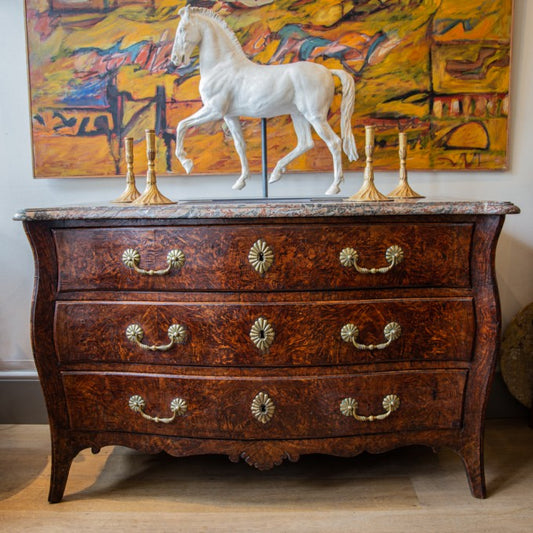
(269, 208)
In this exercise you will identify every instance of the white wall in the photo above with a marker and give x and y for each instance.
(18, 189)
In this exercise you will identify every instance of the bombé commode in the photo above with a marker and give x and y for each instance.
(266, 330)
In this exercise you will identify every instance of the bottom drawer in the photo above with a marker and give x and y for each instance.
(265, 407)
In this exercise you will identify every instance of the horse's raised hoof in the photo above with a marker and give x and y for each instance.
(276, 174)
(187, 164)
(334, 189)
(239, 184)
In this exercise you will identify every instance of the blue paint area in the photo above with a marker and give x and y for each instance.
(309, 46)
(92, 93)
(377, 42)
(292, 31)
(443, 26)
(310, 43)
(131, 51)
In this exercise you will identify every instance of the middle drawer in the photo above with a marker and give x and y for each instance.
(265, 334)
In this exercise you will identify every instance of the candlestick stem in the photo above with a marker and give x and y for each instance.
(151, 195)
(130, 192)
(368, 191)
(403, 189)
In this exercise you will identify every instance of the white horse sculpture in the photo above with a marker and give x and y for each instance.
(232, 86)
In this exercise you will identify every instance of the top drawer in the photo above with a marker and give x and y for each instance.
(264, 257)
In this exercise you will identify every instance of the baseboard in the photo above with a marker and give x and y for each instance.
(22, 401)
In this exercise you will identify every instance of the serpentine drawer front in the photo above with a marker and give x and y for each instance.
(264, 257)
(264, 331)
(296, 407)
(266, 334)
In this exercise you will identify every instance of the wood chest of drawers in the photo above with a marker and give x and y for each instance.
(264, 331)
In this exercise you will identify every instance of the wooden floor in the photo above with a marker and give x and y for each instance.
(408, 490)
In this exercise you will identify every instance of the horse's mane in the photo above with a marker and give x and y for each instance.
(221, 22)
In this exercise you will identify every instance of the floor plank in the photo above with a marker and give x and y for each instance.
(410, 489)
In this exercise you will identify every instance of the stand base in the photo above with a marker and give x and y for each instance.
(129, 195)
(152, 196)
(404, 191)
(368, 193)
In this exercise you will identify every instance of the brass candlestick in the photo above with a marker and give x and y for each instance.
(130, 193)
(368, 191)
(151, 195)
(403, 190)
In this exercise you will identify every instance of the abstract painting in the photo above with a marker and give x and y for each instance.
(437, 69)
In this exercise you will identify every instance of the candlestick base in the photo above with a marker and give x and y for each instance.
(403, 190)
(368, 193)
(152, 196)
(129, 195)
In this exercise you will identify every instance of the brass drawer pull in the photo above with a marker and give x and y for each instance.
(175, 259)
(390, 403)
(178, 406)
(349, 258)
(176, 333)
(261, 256)
(263, 407)
(350, 332)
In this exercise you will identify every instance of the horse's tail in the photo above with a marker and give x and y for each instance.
(347, 105)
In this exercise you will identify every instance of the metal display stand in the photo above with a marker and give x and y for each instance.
(264, 156)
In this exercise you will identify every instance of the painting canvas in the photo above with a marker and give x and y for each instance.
(437, 69)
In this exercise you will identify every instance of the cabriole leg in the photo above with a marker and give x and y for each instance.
(472, 456)
(62, 455)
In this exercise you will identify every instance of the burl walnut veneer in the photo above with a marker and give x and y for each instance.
(266, 330)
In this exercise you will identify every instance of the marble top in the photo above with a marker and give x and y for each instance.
(268, 208)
